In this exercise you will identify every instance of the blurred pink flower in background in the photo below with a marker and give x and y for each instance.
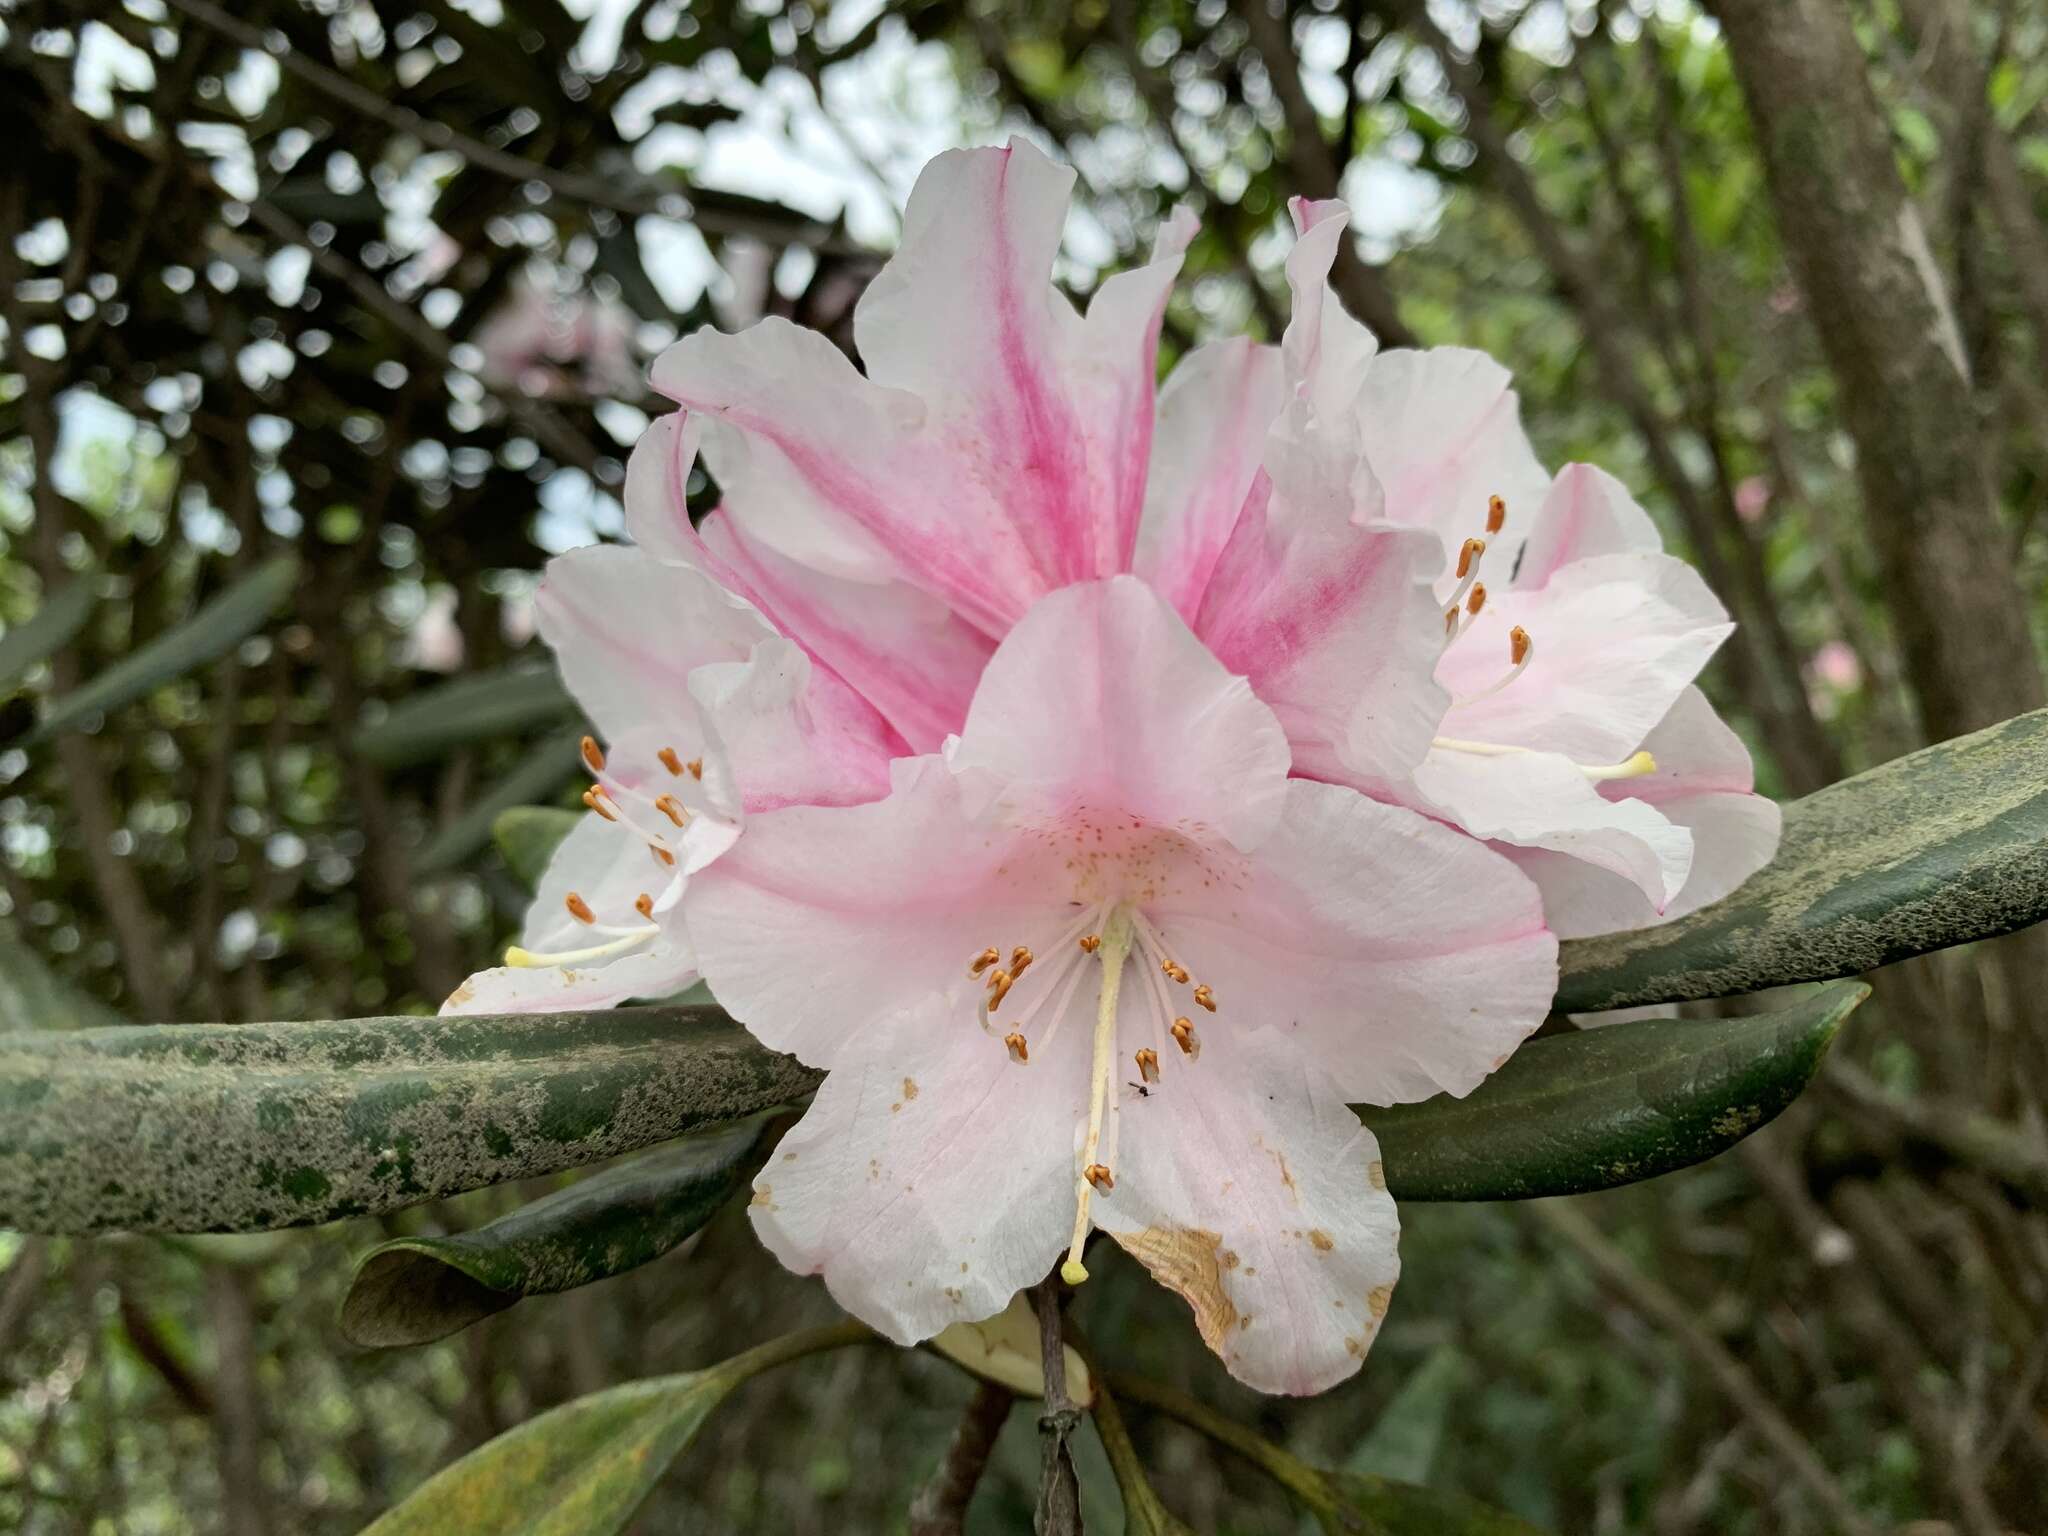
(1835, 665)
(1752, 497)
(552, 344)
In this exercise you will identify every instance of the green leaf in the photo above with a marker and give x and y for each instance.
(527, 836)
(215, 629)
(547, 766)
(1600, 1107)
(32, 996)
(481, 707)
(417, 1289)
(236, 1128)
(49, 629)
(1941, 847)
(585, 1468)
(1384, 1507)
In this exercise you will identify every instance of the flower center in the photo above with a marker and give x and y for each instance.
(1109, 934)
(1467, 599)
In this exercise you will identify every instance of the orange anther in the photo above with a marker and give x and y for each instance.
(1477, 600)
(1183, 1033)
(593, 755)
(1020, 957)
(579, 909)
(1100, 1176)
(1178, 972)
(998, 988)
(644, 905)
(672, 808)
(1518, 645)
(594, 798)
(1019, 1051)
(1496, 514)
(1472, 550)
(1205, 997)
(1148, 1065)
(670, 760)
(984, 960)
(1090, 942)
(695, 767)
(662, 856)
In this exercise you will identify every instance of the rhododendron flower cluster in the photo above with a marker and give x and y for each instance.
(1109, 786)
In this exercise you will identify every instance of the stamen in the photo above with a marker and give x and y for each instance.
(644, 905)
(594, 799)
(580, 909)
(1477, 600)
(695, 767)
(1634, 767)
(1496, 514)
(1205, 997)
(662, 856)
(984, 960)
(1148, 1065)
(1099, 1175)
(1178, 972)
(1020, 957)
(1468, 556)
(670, 761)
(1116, 948)
(998, 988)
(1184, 1036)
(1520, 649)
(673, 809)
(1019, 1052)
(533, 959)
(593, 754)
(1090, 942)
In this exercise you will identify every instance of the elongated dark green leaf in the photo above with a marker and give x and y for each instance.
(1402, 1443)
(585, 1468)
(218, 1128)
(1384, 1507)
(1940, 847)
(547, 766)
(215, 629)
(481, 707)
(416, 1289)
(1609, 1106)
(49, 629)
(527, 836)
(32, 996)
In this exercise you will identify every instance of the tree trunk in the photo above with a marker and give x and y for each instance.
(1889, 337)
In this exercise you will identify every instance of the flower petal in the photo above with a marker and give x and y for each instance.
(1443, 430)
(903, 650)
(662, 969)
(1542, 800)
(1327, 353)
(932, 1177)
(657, 487)
(822, 920)
(1405, 957)
(1702, 783)
(628, 629)
(785, 741)
(1245, 1184)
(1616, 640)
(1102, 701)
(1214, 413)
(1588, 512)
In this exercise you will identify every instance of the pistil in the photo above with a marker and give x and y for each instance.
(1116, 939)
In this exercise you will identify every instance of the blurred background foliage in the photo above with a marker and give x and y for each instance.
(325, 323)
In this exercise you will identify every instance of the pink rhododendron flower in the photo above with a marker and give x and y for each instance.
(548, 344)
(1093, 781)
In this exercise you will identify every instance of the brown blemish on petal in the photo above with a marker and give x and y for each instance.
(909, 1089)
(1188, 1260)
(1356, 1348)
(1377, 1300)
(460, 995)
(764, 1196)
(1377, 1172)
(1227, 1258)
(1321, 1239)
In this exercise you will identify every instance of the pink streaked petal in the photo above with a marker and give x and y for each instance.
(904, 651)
(1443, 431)
(1214, 413)
(785, 741)
(1405, 957)
(1050, 415)
(1616, 639)
(1334, 624)
(1542, 800)
(932, 1177)
(820, 921)
(657, 487)
(1588, 512)
(1102, 702)
(1245, 1184)
(627, 629)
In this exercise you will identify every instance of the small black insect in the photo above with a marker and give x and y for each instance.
(1142, 1090)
